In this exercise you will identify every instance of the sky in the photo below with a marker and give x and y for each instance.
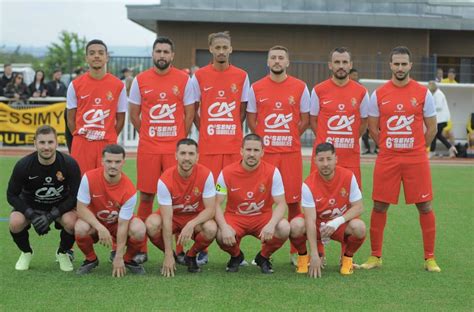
(39, 22)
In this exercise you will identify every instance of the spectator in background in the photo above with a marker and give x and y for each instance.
(354, 75)
(38, 88)
(17, 89)
(6, 77)
(470, 134)
(78, 71)
(439, 74)
(127, 78)
(56, 87)
(442, 117)
(451, 76)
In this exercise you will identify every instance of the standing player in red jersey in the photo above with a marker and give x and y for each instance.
(278, 111)
(186, 194)
(96, 106)
(338, 113)
(251, 187)
(398, 113)
(162, 110)
(332, 204)
(105, 204)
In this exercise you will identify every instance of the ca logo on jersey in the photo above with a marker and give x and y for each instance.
(400, 124)
(49, 192)
(250, 208)
(275, 121)
(165, 114)
(221, 111)
(187, 207)
(107, 216)
(338, 124)
(95, 118)
(333, 213)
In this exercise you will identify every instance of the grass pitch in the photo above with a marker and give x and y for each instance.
(401, 284)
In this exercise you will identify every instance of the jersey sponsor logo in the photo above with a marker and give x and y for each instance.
(48, 180)
(107, 216)
(275, 121)
(97, 101)
(341, 124)
(398, 125)
(250, 208)
(221, 111)
(187, 208)
(95, 118)
(341, 107)
(400, 107)
(48, 193)
(31, 178)
(333, 212)
(165, 113)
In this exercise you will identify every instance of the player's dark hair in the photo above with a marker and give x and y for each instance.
(165, 40)
(221, 34)
(340, 50)
(281, 48)
(252, 137)
(45, 129)
(400, 50)
(324, 147)
(96, 41)
(113, 149)
(353, 70)
(186, 141)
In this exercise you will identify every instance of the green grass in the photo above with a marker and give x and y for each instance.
(401, 284)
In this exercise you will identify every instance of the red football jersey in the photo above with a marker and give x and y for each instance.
(278, 107)
(330, 197)
(221, 94)
(186, 194)
(339, 110)
(162, 99)
(107, 199)
(401, 111)
(97, 102)
(249, 192)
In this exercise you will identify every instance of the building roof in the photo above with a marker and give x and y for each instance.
(413, 14)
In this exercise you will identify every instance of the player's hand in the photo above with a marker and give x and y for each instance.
(186, 234)
(267, 233)
(228, 236)
(314, 269)
(327, 231)
(105, 238)
(41, 224)
(169, 266)
(118, 267)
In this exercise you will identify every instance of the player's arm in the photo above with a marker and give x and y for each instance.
(227, 232)
(71, 119)
(189, 99)
(71, 105)
(313, 111)
(364, 114)
(197, 118)
(373, 119)
(305, 105)
(244, 99)
(429, 117)
(208, 200)
(252, 111)
(125, 215)
(304, 123)
(169, 266)
(119, 122)
(134, 112)
(188, 118)
(73, 180)
(15, 186)
(309, 208)
(364, 122)
(243, 109)
(252, 121)
(121, 109)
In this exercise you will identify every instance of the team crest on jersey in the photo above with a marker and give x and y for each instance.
(175, 90)
(353, 102)
(414, 102)
(109, 96)
(59, 176)
(291, 100)
(233, 88)
(261, 188)
(196, 191)
(343, 192)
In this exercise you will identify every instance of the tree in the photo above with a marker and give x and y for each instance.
(66, 55)
(17, 56)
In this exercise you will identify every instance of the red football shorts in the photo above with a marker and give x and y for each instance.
(180, 220)
(291, 170)
(149, 169)
(247, 225)
(217, 162)
(391, 171)
(88, 154)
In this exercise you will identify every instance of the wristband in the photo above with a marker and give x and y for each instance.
(336, 223)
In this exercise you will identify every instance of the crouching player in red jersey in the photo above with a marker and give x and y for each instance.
(332, 203)
(252, 187)
(186, 194)
(105, 204)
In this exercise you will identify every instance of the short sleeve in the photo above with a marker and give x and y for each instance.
(83, 194)
(126, 211)
(314, 104)
(122, 101)
(305, 101)
(71, 99)
(221, 188)
(135, 97)
(245, 90)
(373, 107)
(307, 200)
(277, 184)
(196, 89)
(252, 102)
(364, 106)
(429, 109)
(163, 194)
(209, 187)
(189, 96)
(355, 194)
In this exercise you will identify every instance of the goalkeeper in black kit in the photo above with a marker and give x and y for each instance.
(42, 190)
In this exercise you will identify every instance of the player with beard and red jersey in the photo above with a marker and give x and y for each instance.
(399, 112)
(332, 204)
(251, 187)
(162, 110)
(278, 111)
(105, 203)
(96, 106)
(186, 194)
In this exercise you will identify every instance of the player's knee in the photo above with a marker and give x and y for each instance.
(358, 228)
(153, 224)
(297, 227)
(68, 221)
(81, 228)
(209, 229)
(282, 230)
(424, 207)
(137, 229)
(17, 222)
